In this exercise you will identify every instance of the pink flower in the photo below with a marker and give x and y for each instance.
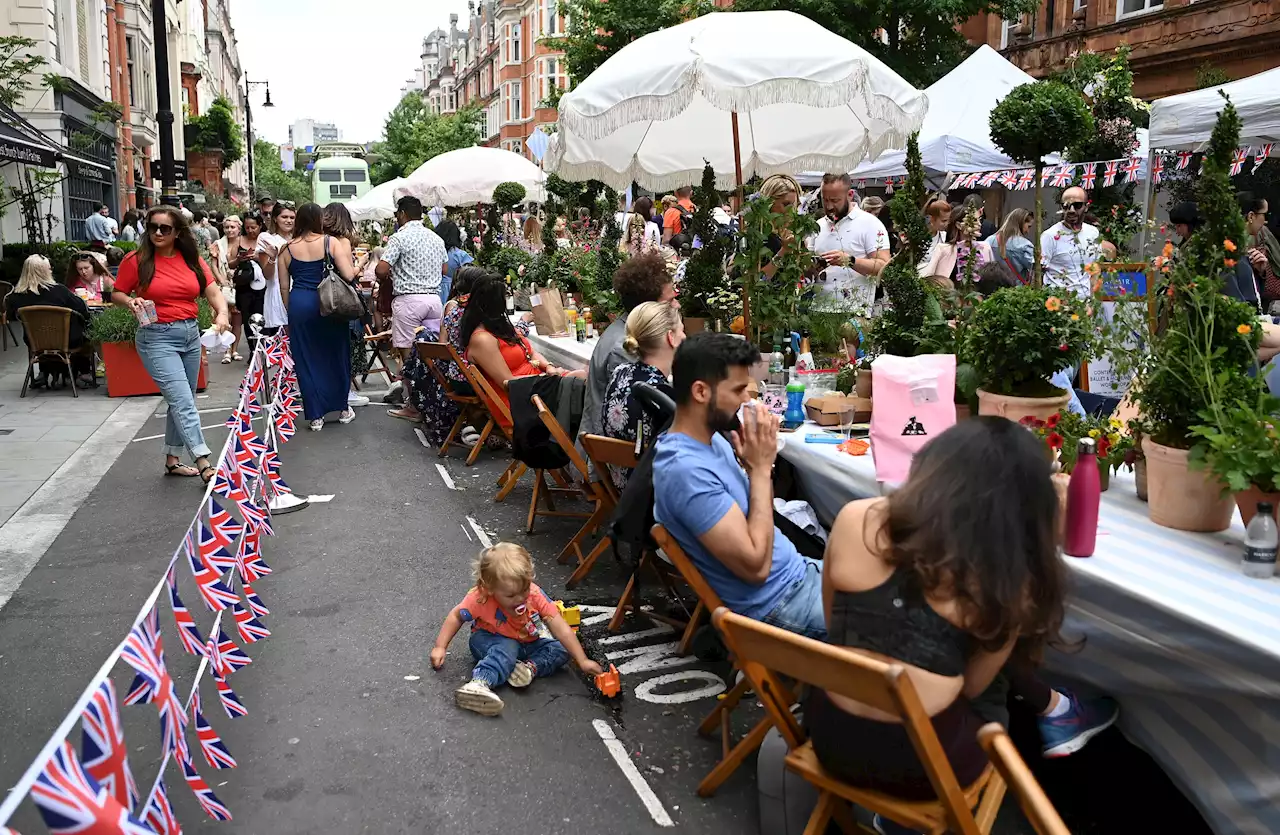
(1063, 348)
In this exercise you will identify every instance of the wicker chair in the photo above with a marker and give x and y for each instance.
(48, 337)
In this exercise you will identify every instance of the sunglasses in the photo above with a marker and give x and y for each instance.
(288, 204)
(1076, 206)
(165, 229)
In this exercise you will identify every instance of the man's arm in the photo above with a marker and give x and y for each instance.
(389, 256)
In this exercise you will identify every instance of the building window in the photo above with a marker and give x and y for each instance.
(550, 17)
(1127, 8)
(133, 78)
(550, 78)
(82, 38)
(516, 54)
(492, 123)
(517, 101)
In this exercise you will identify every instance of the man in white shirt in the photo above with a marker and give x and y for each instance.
(854, 244)
(1070, 245)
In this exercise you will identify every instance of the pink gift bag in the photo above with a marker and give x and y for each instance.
(914, 401)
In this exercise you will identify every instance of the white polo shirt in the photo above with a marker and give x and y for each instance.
(1064, 253)
(861, 235)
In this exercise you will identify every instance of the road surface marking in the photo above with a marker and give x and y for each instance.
(713, 685)
(485, 541)
(320, 499)
(628, 637)
(444, 474)
(629, 770)
(422, 439)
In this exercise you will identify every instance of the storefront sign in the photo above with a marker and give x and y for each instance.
(14, 150)
(179, 170)
(88, 171)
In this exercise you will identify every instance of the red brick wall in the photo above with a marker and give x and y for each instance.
(206, 166)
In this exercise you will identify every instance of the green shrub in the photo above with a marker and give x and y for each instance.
(506, 196)
(1020, 336)
(508, 259)
(116, 323)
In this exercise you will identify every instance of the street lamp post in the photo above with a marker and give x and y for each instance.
(248, 126)
(164, 106)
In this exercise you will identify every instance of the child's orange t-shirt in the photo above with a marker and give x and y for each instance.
(524, 624)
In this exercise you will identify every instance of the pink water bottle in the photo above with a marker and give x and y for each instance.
(1084, 494)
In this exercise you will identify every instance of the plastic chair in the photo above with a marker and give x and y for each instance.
(1006, 759)
(48, 337)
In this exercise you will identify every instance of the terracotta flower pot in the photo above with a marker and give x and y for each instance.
(1140, 478)
(1180, 497)
(126, 376)
(1247, 502)
(1017, 408)
(862, 383)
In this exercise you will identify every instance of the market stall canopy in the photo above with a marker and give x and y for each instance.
(469, 175)
(805, 98)
(379, 203)
(1184, 122)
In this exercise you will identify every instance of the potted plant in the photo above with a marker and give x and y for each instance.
(1016, 340)
(1240, 444)
(1062, 432)
(1199, 361)
(114, 330)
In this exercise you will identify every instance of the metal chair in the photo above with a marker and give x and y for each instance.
(48, 337)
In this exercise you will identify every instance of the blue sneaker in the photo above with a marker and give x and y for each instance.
(1066, 734)
(884, 826)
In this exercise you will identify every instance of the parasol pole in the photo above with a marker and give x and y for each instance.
(737, 197)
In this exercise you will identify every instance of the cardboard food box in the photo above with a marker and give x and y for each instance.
(833, 409)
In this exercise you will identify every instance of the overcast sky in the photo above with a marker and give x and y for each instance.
(340, 61)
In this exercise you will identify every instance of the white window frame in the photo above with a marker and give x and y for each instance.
(517, 44)
(1077, 5)
(1149, 6)
(517, 96)
(549, 14)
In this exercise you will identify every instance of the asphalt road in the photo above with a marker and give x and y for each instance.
(338, 739)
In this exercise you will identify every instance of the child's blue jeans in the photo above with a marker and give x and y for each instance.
(497, 656)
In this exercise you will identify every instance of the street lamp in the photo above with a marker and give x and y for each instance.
(164, 109)
(248, 126)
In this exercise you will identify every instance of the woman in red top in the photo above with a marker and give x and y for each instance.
(167, 270)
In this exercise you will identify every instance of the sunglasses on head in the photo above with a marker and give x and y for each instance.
(1075, 205)
(160, 228)
(288, 204)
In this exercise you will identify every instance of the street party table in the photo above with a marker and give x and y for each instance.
(564, 351)
(1187, 644)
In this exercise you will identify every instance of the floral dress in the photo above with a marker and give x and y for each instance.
(623, 412)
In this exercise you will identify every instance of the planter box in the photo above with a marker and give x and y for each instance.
(126, 375)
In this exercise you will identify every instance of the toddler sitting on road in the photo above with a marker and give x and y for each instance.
(517, 633)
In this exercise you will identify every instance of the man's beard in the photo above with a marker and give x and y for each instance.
(719, 420)
(840, 213)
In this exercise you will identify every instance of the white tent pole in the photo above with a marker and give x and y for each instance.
(1148, 192)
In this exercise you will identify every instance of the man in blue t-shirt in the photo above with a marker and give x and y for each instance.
(721, 515)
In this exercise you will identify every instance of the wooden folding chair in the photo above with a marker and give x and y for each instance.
(499, 417)
(731, 756)
(374, 343)
(436, 355)
(545, 492)
(763, 652)
(1006, 759)
(601, 452)
(48, 330)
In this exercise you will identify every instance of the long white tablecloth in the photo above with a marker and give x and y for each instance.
(564, 351)
(1173, 630)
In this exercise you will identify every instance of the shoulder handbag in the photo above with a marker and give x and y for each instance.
(338, 299)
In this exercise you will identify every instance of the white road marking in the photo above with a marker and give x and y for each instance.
(712, 685)
(465, 531)
(320, 499)
(198, 411)
(485, 541)
(595, 614)
(422, 439)
(646, 659)
(629, 770)
(203, 428)
(444, 474)
(637, 636)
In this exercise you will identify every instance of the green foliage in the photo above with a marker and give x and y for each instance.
(126, 246)
(846, 378)
(216, 128)
(775, 301)
(508, 195)
(1207, 75)
(59, 254)
(572, 269)
(117, 323)
(17, 64)
(599, 28)
(1018, 337)
(609, 255)
(1064, 431)
(415, 134)
(508, 260)
(489, 238)
(1240, 444)
(271, 178)
(705, 271)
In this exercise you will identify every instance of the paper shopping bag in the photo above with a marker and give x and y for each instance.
(914, 403)
(548, 312)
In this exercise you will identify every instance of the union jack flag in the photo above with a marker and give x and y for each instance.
(961, 181)
(1109, 176)
(1238, 156)
(251, 630)
(257, 519)
(1062, 177)
(106, 757)
(212, 553)
(1008, 179)
(285, 426)
(1045, 175)
(988, 178)
(215, 593)
(188, 632)
(1184, 159)
(230, 701)
(144, 651)
(252, 443)
(72, 803)
(249, 557)
(224, 527)
(1089, 175)
(226, 482)
(1131, 167)
(245, 459)
(1025, 179)
(233, 420)
(213, 807)
(1157, 169)
(214, 749)
(160, 813)
(1260, 155)
(230, 655)
(256, 605)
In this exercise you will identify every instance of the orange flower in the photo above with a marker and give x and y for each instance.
(1229, 246)
(1093, 269)
(1243, 330)
(1053, 303)
(1075, 317)
(1167, 252)
(1230, 262)
(1169, 292)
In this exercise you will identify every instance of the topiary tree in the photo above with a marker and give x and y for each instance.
(608, 256)
(705, 271)
(508, 195)
(1036, 120)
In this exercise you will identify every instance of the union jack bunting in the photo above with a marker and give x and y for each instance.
(215, 593)
(230, 701)
(250, 629)
(219, 667)
(144, 651)
(245, 459)
(252, 442)
(231, 656)
(106, 757)
(1184, 159)
(988, 178)
(1157, 169)
(1088, 175)
(249, 557)
(1045, 175)
(1008, 179)
(1260, 155)
(226, 482)
(212, 553)
(160, 813)
(72, 803)
(256, 605)
(1109, 176)
(1238, 156)
(1062, 177)
(257, 519)
(213, 807)
(962, 181)
(1025, 179)
(1131, 167)
(233, 420)
(226, 529)
(211, 745)
(285, 426)
(188, 632)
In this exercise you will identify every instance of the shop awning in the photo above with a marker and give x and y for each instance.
(17, 145)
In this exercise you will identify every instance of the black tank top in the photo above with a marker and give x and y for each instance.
(895, 620)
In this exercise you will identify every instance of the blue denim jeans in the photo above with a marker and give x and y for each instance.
(801, 610)
(497, 656)
(171, 354)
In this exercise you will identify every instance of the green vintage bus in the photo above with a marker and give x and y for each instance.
(338, 178)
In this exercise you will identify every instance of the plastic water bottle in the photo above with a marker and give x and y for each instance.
(1260, 544)
(1084, 495)
(775, 366)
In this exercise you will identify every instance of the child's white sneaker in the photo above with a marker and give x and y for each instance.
(477, 696)
(522, 675)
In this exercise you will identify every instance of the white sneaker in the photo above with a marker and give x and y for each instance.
(522, 675)
(476, 696)
(348, 414)
(317, 424)
(354, 399)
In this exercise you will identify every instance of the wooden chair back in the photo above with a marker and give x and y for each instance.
(687, 569)
(1009, 763)
(605, 452)
(48, 329)
(561, 437)
(492, 402)
(763, 652)
(434, 354)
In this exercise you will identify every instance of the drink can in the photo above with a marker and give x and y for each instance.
(146, 313)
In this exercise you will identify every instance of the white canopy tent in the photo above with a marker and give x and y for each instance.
(1184, 122)
(469, 175)
(379, 203)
